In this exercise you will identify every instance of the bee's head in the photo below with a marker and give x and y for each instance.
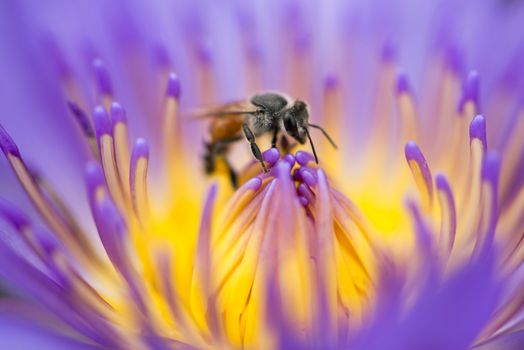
(295, 121)
(296, 124)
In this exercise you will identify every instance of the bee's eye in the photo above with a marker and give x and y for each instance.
(291, 125)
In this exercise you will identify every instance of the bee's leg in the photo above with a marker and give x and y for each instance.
(212, 151)
(209, 158)
(233, 177)
(254, 147)
(275, 138)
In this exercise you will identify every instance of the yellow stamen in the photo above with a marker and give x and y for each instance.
(107, 155)
(171, 134)
(325, 261)
(48, 214)
(122, 155)
(422, 186)
(140, 197)
(447, 224)
(469, 211)
(408, 116)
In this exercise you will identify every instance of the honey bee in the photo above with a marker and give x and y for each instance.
(262, 114)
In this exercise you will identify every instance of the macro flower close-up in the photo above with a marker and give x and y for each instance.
(279, 174)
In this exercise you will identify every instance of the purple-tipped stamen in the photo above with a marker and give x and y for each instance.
(173, 86)
(308, 177)
(423, 232)
(389, 52)
(306, 192)
(271, 156)
(7, 144)
(102, 122)
(470, 92)
(103, 80)
(140, 151)
(454, 59)
(281, 170)
(118, 113)
(95, 180)
(112, 231)
(448, 205)
(303, 158)
(290, 159)
(491, 167)
(331, 82)
(303, 200)
(252, 184)
(94, 175)
(477, 130)
(414, 154)
(402, 83)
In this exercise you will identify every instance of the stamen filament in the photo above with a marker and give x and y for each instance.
(171, 133)
(421, 173)
(407, 110)
(478, 146)
(235, 296)
(489, 209)
(448, 216)
(121, 145)
(107, 156)
(138, 183)
(52, 218)
(325, 258)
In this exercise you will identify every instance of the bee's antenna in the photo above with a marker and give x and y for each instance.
(325, 134)
(312, 146)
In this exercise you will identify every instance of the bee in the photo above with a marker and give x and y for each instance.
(262, 114)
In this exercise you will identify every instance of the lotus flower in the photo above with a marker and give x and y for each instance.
(409, 236)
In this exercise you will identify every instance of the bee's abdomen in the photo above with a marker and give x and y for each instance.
(225, 127)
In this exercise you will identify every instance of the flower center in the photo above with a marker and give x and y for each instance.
(291, 230)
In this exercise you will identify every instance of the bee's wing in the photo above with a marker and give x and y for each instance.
(224, 110)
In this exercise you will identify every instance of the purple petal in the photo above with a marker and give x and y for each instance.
(450, 317)
(23, 335)
(512, 341)
(20, 320)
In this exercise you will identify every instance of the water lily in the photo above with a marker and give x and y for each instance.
(408, 236)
